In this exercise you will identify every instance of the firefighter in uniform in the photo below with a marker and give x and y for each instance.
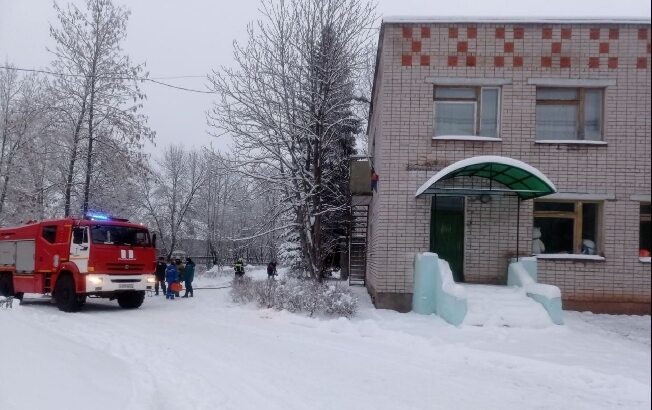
(239, 268)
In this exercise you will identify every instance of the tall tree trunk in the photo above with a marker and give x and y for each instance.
(73, 160)
(316, 199)
(89, 155)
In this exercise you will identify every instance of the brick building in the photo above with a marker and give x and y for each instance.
(569, 99)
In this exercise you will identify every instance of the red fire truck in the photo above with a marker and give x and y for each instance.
(72, 259)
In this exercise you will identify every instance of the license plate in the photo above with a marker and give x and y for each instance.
(126, 286)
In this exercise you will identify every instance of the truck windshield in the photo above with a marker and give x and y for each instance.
(120, 235)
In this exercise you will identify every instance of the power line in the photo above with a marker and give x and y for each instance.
(152, 80)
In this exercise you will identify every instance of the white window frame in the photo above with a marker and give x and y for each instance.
(580, 137)
(576, 216)
(498, 110)
(475, 110)
(479, 89)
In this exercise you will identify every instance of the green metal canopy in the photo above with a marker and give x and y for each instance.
(516, 176)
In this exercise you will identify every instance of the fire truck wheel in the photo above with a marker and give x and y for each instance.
(6, 285)
(131, 300)
(81, 300)
(64, 294)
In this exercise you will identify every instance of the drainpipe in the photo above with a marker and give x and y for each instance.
(518, 225)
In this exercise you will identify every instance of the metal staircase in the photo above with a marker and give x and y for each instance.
(358, 245)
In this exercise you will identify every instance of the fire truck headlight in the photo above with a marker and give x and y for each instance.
(95, 280)
(151, 279)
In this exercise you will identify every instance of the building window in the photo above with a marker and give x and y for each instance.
(567, 227)
(644, 232)
(49, 233)
(467, 111)
(569, 114)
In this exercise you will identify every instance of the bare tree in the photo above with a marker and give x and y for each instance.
(288, 107)
(170, 192)
(97, 85)
(22, 117)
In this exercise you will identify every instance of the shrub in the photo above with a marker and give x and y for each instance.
(297, 296)
(242, 290)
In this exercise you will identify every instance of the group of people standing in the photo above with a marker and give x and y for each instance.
(173, 273)
(238, 269)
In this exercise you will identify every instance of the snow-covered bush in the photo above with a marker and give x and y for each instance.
(242, 290)
(297, 296)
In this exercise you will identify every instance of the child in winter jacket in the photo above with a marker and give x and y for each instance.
(171, 276)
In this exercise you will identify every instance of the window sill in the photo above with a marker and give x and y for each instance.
(645, 260)
(570, 256)
(571, 142)
(465, 138)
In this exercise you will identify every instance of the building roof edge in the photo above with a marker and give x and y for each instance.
(515, 19)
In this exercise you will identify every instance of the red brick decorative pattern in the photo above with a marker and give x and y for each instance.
(566, 33)
(641, 62)
(546, 62)
(642, 34)
(565, 62)
(415, 36)
(558, 46)
(614, 34)
(612, 62)
(594, 62)
(546, 33)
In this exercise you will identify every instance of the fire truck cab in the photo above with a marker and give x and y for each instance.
(72, 259)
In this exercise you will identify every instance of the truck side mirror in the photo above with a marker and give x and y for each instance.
(154, 240)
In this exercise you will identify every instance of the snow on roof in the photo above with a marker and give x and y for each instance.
(516, 19)
(484, 159)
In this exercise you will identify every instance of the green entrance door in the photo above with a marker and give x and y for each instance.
(447, 232)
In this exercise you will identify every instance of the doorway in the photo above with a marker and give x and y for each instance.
(447, 232)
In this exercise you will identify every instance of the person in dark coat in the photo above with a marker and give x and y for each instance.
(188, 276)
(271, 270)
(181, 269)
(160, 275)
(171, 276)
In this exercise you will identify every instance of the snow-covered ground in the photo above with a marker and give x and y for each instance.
(208, 353)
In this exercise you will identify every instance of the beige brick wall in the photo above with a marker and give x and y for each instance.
(405, 155)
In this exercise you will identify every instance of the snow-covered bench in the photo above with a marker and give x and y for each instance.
(523, 273)
(435, 291)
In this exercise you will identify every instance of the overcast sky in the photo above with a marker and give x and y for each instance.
(190, 37)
